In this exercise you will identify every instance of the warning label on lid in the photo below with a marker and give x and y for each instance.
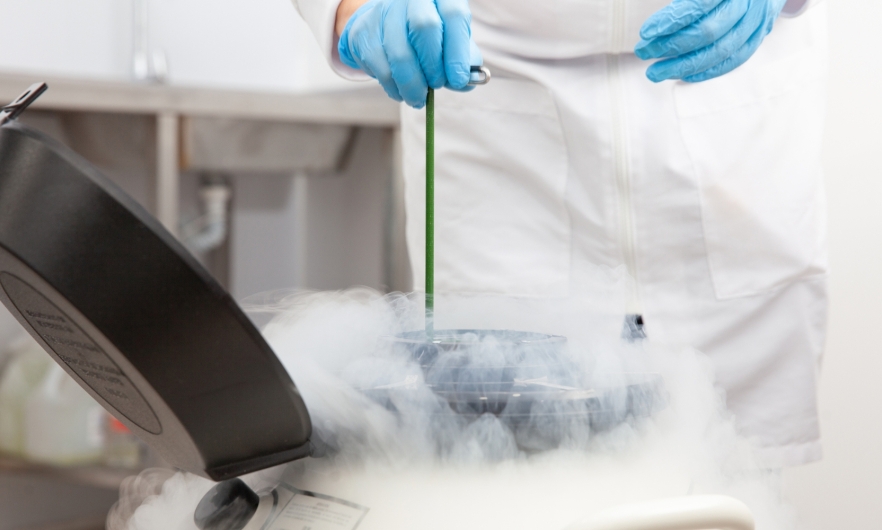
(313, 511)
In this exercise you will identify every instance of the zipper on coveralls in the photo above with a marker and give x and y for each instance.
(623, 175)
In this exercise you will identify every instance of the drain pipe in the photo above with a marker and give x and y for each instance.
(209, 231)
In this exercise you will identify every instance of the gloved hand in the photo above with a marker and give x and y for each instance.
(410, 45)
(703, 39)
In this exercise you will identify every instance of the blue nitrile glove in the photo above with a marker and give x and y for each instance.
(410, 45)
(703, 39)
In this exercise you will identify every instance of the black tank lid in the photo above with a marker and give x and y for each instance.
(125, 309)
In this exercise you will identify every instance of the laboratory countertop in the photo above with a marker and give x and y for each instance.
(35, 497)
(93, 475)
(366, 106)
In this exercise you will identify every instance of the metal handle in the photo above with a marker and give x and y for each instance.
(480, 75)
(695, 512)
(11, 111)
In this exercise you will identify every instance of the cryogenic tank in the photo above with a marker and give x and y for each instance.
(124, 309)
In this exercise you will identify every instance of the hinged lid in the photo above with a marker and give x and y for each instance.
(130, 314)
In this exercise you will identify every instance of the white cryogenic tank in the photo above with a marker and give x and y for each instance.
(565, 494)
(125, 310)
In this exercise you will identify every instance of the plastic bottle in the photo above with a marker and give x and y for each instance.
(63, 424)
(121, 447)
(23, 373)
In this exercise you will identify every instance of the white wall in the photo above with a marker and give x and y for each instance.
(259, 44)
(249, 44)
(71, 37)
(844, 491)
(266, 234)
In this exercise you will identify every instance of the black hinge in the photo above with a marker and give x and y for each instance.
(633, 329)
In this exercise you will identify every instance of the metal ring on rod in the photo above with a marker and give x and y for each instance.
(480, 75)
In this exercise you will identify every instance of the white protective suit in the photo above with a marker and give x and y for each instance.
(711, 194)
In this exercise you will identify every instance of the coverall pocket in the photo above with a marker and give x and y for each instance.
(754, 137)
(501, 223)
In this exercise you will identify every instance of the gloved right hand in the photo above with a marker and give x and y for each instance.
(703, 39)
(411, 45)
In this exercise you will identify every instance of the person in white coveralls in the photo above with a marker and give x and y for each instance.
(700, 172)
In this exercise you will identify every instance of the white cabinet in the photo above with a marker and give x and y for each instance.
(67, 37)
(253, 44)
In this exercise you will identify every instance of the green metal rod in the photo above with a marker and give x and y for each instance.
(430, 214)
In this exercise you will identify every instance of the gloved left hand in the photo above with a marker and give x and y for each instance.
(704, 39)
